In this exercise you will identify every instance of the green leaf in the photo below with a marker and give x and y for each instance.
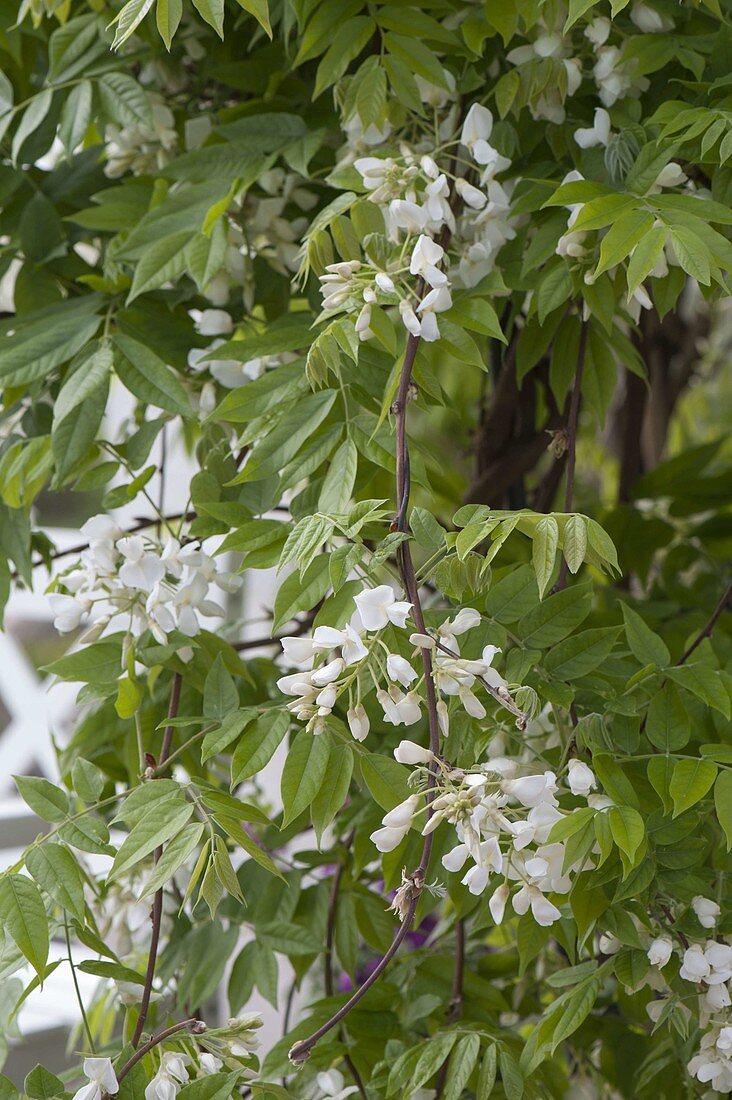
(557, 616)
(463, 1057)
(575, 542)
(645, 645)
(41, 1084)
(284, 441)
(690, 782)
(434, 1053)
(173, 857)
(247, 844)
(220, 696)
(57, 872)
(417, 57)
(297, 594)
(161, 823)
(628, 831)
(304, 772)
(580, 654)
(92, 375)
(129, 19)
(290, 939)
(692, 254)
(487, 1074)
(125, 99)
(212, 11)
(645, 256)
(23, 917)
(51, 803)
(385, 779)
(259, 744)
(163, 262)
(511, 1076)
(723, 804)
(148, 378)
(622, 238)
(231, 727)
(544, 553)
(167, 17)
(705, 683)
(667, 723)
(260, 10)
(100, 663)
(332, 795)
(340, 479)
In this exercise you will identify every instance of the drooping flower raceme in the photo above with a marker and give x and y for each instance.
(149, 585)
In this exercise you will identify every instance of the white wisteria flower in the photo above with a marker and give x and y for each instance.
(660, 951)
(170, 1078)
(597, 134)
(102, 1079)
(707, 911)
(379, 606)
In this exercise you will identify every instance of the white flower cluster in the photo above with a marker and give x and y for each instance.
(487, 807)
(550, 44)
(156, 587)
(419, 202)
(139, 148)
(572, 244)
(331, 660)
(229, 372)
(614, 76)
(261, 225)
(707, 966)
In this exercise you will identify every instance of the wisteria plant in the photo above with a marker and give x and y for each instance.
(433, 298)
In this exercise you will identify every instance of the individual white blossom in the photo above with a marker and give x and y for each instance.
(170, 1078)
(102, 1079)
(597, 134)
(660, 951)
(379, 606)
(707, 911)
(332, 1085)
(407, 752)
(580, 777)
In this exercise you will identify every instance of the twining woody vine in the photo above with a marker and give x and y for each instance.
(400, 283)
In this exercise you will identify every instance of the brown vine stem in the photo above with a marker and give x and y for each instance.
(572, 421)
(707, 631)
(194, 1026)
(329, 948)
(414, 883)
(156, 912)
(455, 1006)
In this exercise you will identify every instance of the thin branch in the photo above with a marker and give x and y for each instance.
(414, 884)
(301, 1051)
(455, 1006)
(572, 421)
(156, 912)
(194, 1026)
(79, 998)
(707, 631)
(328, 977)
